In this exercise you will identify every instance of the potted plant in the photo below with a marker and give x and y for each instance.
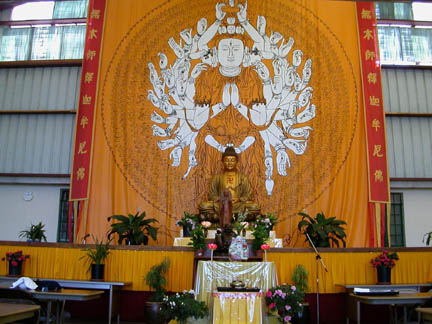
(268, 220)
(260, 236)
(300, 280)
(188, 222)
(322, 231)
(384, 263)
(182, 306)
(198, 237)
(97, 256)
(15, 260)
(285, 302)
(134, 229)
(427, 237)
(156, 280)
(35, 233)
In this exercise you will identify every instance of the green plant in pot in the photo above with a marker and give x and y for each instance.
(156, 280)
(96, 254)
(198, 236)
(260, 236)
(182, 306)
(323, 232)
(427, 238)
(134, 229)
(36, 233)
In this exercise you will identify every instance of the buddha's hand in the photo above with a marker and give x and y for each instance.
(242, 13)
(235, 100)
(226, 97)
(220, 15)
(282, 160)
(198, 69)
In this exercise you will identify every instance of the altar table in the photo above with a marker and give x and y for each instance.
(237, 307)
(211, 275)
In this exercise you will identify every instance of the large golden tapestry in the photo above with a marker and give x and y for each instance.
(181, 80)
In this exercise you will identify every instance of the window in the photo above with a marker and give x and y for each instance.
(403, 40)
(33, 11)
(63, 222)
(48, 39)
(397, 228)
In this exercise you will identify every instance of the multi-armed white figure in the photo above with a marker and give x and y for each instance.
(281, 117)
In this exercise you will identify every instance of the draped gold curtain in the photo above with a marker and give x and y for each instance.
(132, 265)
(129, 170)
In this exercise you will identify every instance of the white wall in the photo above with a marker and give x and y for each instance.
(16, 214)
(417, 214)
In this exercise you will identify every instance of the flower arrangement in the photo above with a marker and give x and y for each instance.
(188, 220)
(285, 301)
(181, 306)
(385, 259)
(268, 221)
(206, 224)
(15, 257)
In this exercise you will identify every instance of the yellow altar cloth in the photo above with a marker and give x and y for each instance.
(211, 275)
(237, 307)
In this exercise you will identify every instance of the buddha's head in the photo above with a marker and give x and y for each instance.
(230, 56)
(230, 159)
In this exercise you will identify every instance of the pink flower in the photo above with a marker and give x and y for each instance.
(212, 246)
(287, 307)
(269, 294)
(293, 288)
(14, 263)
(272, 305)
(287, 318)
(265, 247)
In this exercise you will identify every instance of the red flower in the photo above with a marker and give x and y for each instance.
(265, 247)
(14, 263)
(212, 246)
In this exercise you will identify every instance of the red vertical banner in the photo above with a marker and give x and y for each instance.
(374, 119)
(82, 153)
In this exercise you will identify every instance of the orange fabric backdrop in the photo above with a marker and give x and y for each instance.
(129, 169)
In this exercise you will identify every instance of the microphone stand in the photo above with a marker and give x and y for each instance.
(317, 258)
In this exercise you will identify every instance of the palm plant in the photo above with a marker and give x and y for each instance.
(99, 253)
(323, 232)
(427, 237)
(133, 228)
(35, 233)
(156, 279)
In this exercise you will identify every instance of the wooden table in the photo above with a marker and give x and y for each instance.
(62, 296)
(112, 287)
(16, 312)
(401, 299)
(425, 313)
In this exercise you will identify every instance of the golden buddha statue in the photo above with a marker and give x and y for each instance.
(239, 188)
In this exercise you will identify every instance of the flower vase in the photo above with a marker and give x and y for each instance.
(383, 275)
(15, 268)
(199, 252)
(97, 271)
(186, 231)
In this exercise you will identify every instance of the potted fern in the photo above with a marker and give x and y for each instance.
(36, 233)
(156, 280)
(134, 229)
(323, 232)
(198, 236)
(97, 256)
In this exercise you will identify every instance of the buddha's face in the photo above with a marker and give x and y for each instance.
(230, 52)
(230, 163)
